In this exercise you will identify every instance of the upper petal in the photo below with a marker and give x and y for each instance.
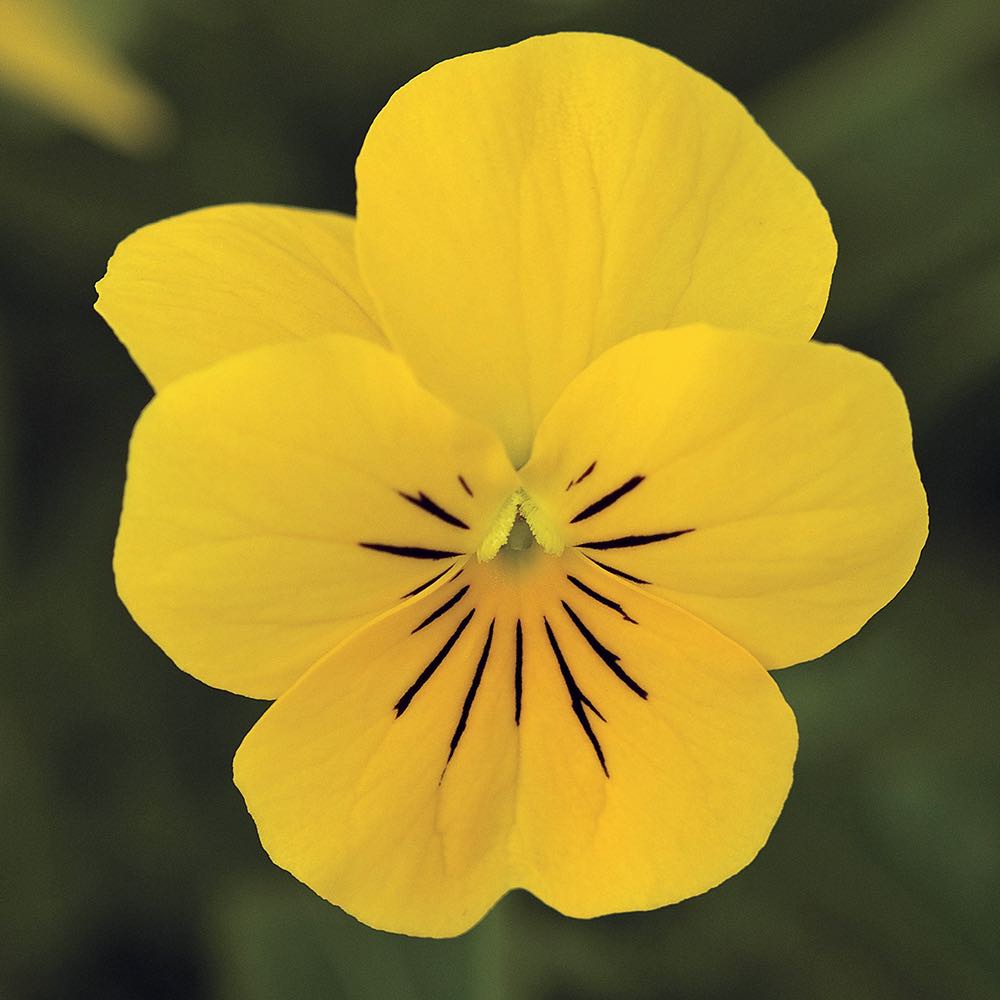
(280, 499)
(523, 209)
(193, 289)
(768, 487)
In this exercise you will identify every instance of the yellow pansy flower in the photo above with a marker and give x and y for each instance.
(513, 491)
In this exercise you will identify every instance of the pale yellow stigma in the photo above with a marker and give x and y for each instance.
(508, 528)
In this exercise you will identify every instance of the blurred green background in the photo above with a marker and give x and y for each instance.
(129, 866)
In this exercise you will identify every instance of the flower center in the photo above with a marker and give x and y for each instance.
(520, 538)
(519, 524)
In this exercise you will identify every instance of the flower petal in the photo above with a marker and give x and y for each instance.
(768, 487)
(280, 499)
(534, 205)
(350, 797)
(419, 772)
(698, 767)
(186, 292)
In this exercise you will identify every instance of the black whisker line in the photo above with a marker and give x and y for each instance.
(434, 615)
(608, 499)
(631, 541)
(404, 702)
(586, 701)
(601, 599)
(424, 502)
(466, 486)
(577, 698)
(583, 475)
(471, 695)
(617, 572)
(612, 660)
(518, 668)
(409, 551)
(424, 586)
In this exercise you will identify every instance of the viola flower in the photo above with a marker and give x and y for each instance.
(512, 492)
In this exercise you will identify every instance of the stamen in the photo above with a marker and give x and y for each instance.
(500, 532)
(539, 525)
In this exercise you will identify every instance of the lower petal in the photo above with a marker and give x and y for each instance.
(345, 773)
(462, 747)
(696, 738)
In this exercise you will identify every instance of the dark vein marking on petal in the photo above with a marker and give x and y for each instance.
(447, 606)
(518, 668)
(466, 486)
(424, 502)
(424, 586)
(613, 660)
(471, 695)
(404, 702)
(409, 551)
(631, 541)
(608, 499)
(601, 599)
(617, 572)
(583, 475)
(591, 705)
(577, 698)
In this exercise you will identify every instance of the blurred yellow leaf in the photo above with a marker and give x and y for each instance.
(49, 60)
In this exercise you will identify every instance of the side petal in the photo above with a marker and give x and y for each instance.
(186, 292)
(278, 500)
(768, 487)
(534, 205)
(420, 771)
